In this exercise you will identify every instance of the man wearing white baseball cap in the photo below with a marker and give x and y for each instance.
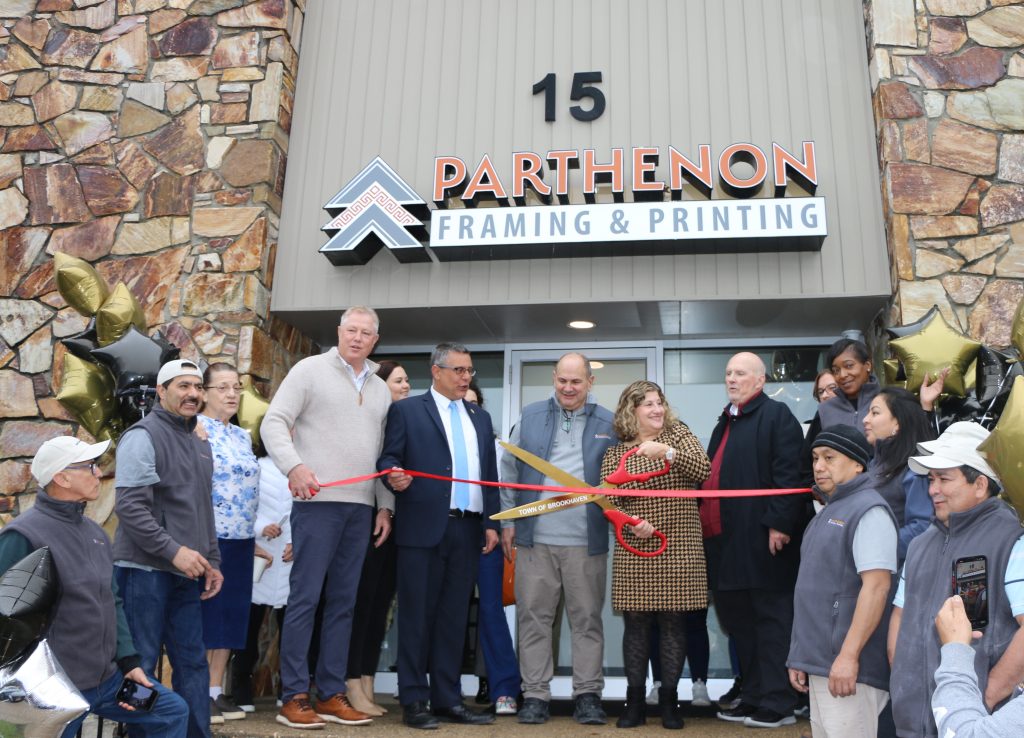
(972, 530)
(87, 632)
(165, 549)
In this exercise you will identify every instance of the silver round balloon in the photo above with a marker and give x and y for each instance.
(37, 700)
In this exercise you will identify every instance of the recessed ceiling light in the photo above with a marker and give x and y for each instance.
(597, 365)
(581, 325)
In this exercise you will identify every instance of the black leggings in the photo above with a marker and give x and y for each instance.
(636, 645)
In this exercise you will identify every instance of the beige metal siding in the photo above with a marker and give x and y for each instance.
(409, 80)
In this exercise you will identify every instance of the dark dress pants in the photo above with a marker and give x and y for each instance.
(760, 622)
(434, 587)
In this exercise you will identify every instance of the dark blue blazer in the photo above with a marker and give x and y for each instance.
(414, 439)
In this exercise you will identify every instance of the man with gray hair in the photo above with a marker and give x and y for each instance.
(973, 527)
(326, 422)
(563, 553)
(443, 527)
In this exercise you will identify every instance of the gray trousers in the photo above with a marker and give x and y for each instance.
(543, 574)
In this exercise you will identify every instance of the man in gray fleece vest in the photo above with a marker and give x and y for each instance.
(165, 548)
(970, 521)
(847, 559)
(87, 630)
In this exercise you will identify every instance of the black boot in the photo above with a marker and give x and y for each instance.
(636, 709)
(668, 703)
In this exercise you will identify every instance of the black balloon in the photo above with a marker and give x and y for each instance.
(27, 592)
(168, 351)
(899, 331)
(82, 344)
(134, 359)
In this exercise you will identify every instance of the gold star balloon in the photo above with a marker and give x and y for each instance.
(79, 283)
(252, 406)
(893, 372)
(118, 312)
(87, 391)
(932, 349)
(1004, 448)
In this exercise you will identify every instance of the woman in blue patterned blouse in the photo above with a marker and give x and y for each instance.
(236, 476)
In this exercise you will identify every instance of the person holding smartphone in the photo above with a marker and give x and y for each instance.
(958, 705)
(88, 632)
(973, 531)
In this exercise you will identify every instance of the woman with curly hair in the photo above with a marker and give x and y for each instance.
(664, 588)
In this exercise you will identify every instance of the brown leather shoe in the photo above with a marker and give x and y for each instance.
(338, 709)
(298, 713)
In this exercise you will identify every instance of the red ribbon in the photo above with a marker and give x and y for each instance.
(607, 491)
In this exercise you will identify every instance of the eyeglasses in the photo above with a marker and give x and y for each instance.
(828, 389)
(566, 421)
(462, 371)
(225, 388)
(92, 466)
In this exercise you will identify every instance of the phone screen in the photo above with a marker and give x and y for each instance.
(138, 696)
(970, 581)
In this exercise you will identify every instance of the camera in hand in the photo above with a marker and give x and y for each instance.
(137, 695)
(970, 581)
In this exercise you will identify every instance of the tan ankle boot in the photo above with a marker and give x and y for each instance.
(359, 700)
(370, 694)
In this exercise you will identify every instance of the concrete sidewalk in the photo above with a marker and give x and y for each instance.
(700, 721)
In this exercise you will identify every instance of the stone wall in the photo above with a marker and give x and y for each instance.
(148, 137)
(948, 92)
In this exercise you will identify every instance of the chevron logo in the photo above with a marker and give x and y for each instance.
(375, 209)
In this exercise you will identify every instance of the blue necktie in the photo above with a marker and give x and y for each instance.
(461, 458)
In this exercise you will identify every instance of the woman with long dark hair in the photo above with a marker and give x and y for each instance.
(376, 588)
(895, 424)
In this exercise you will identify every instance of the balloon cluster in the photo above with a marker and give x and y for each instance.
(110, 368)
(35, 693)
(984, 385)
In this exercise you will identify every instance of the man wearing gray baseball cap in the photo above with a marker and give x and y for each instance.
(972, 530)
(165, 548)
(87, 631)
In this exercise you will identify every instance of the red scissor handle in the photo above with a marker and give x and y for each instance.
(620, 476)
(619, 519)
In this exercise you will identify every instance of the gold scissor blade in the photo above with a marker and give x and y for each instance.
(540, 507)
(551, 471)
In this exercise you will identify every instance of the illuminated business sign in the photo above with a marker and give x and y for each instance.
(378, 209)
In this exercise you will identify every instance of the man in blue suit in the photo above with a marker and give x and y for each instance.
(439, 531)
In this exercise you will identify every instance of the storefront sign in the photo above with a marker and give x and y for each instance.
(377, 208)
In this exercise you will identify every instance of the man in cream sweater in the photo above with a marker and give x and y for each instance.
(326, 422)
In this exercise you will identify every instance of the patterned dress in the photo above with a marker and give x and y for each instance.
(677, 579)
(236, 479)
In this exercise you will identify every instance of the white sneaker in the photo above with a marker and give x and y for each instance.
(505, 706)
(652, 696)
(700, 694)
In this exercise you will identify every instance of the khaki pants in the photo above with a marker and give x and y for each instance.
(845, 717)
(543, 573)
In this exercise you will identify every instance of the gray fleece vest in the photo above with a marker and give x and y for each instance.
(839, 410)
(828, 585)
(537, 435)
(83, 628)
(183, 498)
(990, 529)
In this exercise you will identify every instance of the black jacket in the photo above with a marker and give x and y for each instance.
(761, 452)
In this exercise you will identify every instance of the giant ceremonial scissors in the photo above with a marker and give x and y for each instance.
(615, 516)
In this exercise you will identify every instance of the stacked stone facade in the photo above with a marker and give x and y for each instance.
(148, 137)
(948, 93)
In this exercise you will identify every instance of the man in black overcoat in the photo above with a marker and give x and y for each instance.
(755, 559)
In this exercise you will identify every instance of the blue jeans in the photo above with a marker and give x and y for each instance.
(495, 640)
(163, 611)
(167, 719)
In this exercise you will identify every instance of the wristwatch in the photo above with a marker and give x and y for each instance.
(670, 455)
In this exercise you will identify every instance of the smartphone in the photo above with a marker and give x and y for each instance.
(970, 581)
(137, 695)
